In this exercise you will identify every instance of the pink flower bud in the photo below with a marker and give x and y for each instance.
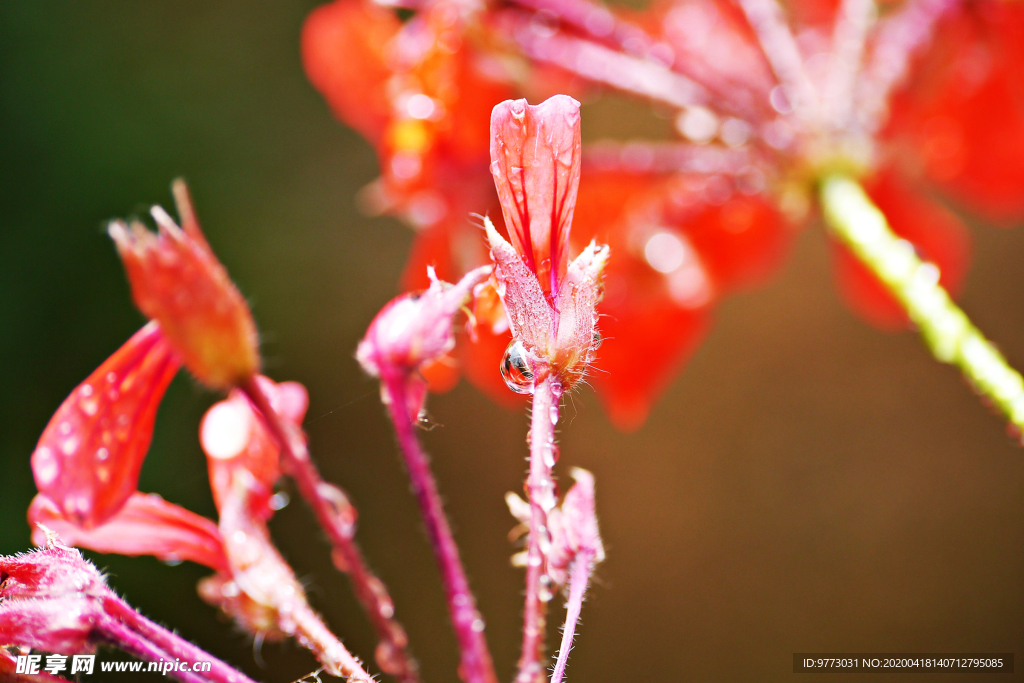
(47, 600)
(551, 304)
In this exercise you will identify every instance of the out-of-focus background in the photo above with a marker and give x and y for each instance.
(808, 484)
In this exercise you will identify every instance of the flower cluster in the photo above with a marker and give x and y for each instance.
(913, 98)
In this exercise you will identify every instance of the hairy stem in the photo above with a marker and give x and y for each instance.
(579, 577)
(170, 643)
(117, 633)
(337, 518)
(947, 331)
(475, 657)
(540, 490)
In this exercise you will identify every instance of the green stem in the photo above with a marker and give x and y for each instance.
(948, 333)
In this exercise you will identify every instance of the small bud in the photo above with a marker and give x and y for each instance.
(177, 281)
(47, 599)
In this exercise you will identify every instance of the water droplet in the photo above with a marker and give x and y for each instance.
(515, 369)
(550, 456)
(341, 509)
(238, 537)
(553, 415)
(102, 454)
(279, 500)
(546, 592)
(172, 561)
(477, 625)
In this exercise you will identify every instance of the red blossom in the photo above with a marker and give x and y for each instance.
(177, 281)
(89, 456)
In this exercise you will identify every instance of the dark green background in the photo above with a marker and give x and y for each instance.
(809, 484)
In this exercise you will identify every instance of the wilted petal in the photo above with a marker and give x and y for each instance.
(535, 161)
(146, 525)
(89, 456)
(177, 281)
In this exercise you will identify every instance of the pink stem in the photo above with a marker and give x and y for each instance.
(579, 577)
(540, 489)
(136, 645)
(336, 517)
(170, 643)
(476, 664)
(603, 65)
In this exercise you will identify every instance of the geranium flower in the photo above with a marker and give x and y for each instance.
(767, 105)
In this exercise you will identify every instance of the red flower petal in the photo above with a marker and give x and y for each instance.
(146, 525)
(648, 336)
(535, 161)
(937, 235)
(964, 110)
(89, 456)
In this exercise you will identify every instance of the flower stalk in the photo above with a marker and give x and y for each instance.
(540, 490)
(475, 658)
(579, 578)
(336, 517)
(945, 328)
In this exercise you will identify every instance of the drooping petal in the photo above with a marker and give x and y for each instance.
(146, 525)
(177, 281)
(89, 456)
(937, 235)
(535, 161)
(233, 437)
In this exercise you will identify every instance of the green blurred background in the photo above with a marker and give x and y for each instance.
(809, 484)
